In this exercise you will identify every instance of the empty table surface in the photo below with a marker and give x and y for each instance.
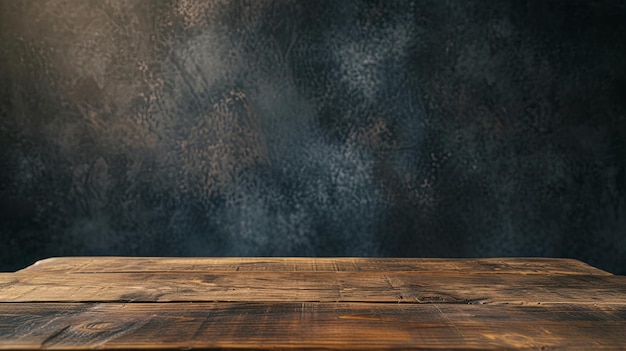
(312, 303)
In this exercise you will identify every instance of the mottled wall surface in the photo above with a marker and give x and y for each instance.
(313, 128)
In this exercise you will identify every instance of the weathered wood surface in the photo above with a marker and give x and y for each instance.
(311, 325)
(321, 303)
(396, 287)
(299, 264)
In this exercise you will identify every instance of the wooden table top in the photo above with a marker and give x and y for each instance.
(312, 303)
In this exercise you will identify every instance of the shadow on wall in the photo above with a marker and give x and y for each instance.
(313, 128)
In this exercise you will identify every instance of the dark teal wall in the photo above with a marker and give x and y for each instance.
(316, 128)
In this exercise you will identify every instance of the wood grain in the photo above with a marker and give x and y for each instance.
(400, 287)
(310, 325)
(322, 303)
(195, 264)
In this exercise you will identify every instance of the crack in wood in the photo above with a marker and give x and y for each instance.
(48, 341)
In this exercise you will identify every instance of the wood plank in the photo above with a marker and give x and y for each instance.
(402, 287)
(356, 326)
(438, 265)
(303, 303)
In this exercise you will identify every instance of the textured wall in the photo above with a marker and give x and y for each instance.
(317, 128)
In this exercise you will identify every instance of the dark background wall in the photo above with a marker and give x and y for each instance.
(313, 128)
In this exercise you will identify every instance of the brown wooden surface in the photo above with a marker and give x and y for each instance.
(437, 265)
(303, 303)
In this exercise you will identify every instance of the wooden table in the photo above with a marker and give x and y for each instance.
(312, 303)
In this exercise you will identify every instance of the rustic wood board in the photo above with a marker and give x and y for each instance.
(310, 325)
(321, 303)
(195, 264)
(396, 287)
